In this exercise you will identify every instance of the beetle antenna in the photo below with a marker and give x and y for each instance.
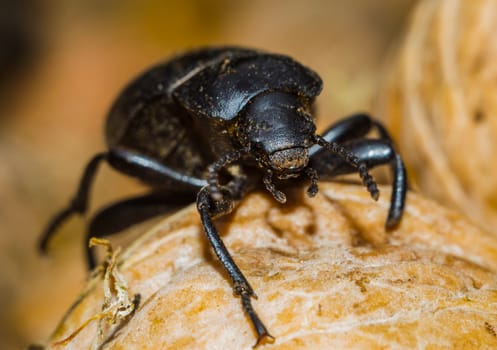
(213, 172)
(351, 158)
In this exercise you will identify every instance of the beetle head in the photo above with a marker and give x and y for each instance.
(278, 132)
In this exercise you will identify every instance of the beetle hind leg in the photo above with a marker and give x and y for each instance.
(118, 216)
(78, 205)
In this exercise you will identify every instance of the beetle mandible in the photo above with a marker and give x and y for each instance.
(213, 124)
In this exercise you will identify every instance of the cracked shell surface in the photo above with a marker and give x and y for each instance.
(325, 272)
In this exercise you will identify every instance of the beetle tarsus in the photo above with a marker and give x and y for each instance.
(391, 223)
(260, 328)
(52, 227)
(261, 338)
(399, 191)
(78, 205)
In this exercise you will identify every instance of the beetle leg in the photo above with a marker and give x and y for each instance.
(358, 125)
(372, 153)
(131, 163)
(209, 208)
(78, 205)
(268, 182)
(151, 170)
(214, 168)
(121, 215)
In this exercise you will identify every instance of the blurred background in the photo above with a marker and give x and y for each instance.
(62, 63)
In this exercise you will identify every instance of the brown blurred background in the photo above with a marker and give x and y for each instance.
(63, 62)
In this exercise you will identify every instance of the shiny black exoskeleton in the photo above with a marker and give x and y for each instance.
(213, 124)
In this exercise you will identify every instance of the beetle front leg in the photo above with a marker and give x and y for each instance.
(208, 208)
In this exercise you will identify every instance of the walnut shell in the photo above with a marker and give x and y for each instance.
(326, 273)
(439, 101)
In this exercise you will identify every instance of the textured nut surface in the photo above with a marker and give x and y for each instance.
(326, 274)
(439, 102)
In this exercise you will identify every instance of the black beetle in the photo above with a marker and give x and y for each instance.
(214, 124)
